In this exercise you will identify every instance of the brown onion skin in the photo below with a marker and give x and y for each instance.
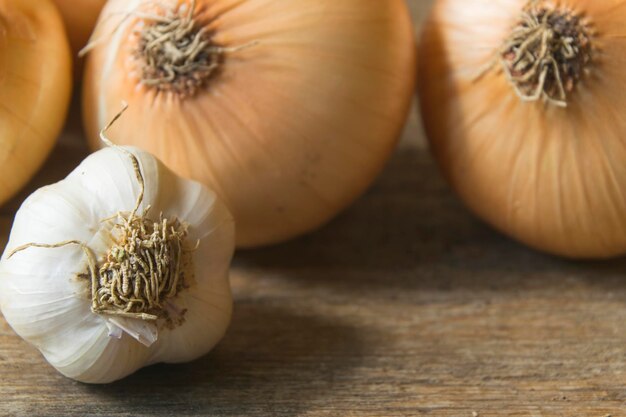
(35, 88)
(552, 178)
(294, 129)
(80, 18)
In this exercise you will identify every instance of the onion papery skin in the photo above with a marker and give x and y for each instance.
(553, 178)
(292, 129)
(35, 87)
(80, 17)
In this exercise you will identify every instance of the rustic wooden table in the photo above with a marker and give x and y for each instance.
(405, 305)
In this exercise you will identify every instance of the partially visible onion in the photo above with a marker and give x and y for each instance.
(524, 106)
(80, 17)
(34, 88)
(300, 113)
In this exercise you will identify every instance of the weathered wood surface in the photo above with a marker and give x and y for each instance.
(405, 305)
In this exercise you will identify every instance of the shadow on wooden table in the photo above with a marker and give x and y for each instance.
(266, 365)
(411, 223)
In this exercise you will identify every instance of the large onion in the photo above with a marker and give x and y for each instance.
(524, 106)
(298, 117)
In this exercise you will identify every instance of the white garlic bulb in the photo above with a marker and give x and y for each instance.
(118, 288)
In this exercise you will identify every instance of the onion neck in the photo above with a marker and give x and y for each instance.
(546, 54)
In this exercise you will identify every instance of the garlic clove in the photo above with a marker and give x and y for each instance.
(108, 360)
(207, 310)
(46, 298)
(102, 182)
(210, 224)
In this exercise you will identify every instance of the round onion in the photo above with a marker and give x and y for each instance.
(289, 110)
(523, 103)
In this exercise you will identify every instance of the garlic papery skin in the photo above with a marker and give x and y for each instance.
(289, 113)
(35, 87)
(46, 293)
(538, 156)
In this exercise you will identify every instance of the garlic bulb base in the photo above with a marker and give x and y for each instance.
(546, 54)
(147, 265)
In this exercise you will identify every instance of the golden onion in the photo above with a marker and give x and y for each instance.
(288, 109)
(34, 88)
(523, 104)
(80, 17)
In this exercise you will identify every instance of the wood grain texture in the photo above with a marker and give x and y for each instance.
(404, 306)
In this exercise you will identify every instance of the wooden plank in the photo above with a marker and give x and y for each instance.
(404, 305)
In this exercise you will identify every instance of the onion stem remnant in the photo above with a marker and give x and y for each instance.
(175, 54)
(546, 54)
